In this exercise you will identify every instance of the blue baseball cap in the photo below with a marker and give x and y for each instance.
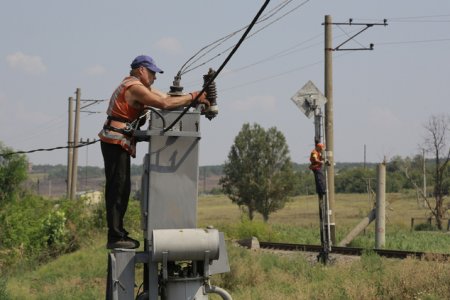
(146, 61)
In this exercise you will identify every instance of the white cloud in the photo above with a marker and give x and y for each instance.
(95, 70)
(169, 44)
(26, 63)
(265, 103)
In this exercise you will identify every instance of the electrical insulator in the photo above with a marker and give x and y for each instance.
(176, 89)
(211, 94)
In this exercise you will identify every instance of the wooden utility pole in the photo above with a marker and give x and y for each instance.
(73, 189)
(70, 149)
(329, 123)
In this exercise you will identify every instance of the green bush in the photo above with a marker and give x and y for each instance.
(35, 229)
(246, 229)
(20, 223)
(13, 172)
(54, 231)
(425, 227)
(4, 295)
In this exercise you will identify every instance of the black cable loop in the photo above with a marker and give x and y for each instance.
(136, 122)
(263, 7)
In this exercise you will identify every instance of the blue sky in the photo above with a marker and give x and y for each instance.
(382, 98)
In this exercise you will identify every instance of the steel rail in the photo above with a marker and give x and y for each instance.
(357, 251)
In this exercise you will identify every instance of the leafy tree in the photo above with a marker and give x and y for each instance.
(258, 174)
(13, 171)
(304, 183)
(355, 180)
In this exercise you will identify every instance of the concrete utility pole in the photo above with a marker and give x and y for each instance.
(73, 189)
(70, 149)
(424, 170)
(329, 119)
(73, 141)
(358, 229)
(329, 122)
(380, 222)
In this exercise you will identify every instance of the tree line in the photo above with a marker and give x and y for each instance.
(260, 177)
(353, 177)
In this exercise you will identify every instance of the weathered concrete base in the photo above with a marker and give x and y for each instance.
(250, 243)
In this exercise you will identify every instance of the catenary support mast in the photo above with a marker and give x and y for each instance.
(329, 122)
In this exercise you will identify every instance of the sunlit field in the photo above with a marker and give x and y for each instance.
(271, 275)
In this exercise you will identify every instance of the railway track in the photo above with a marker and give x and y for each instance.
(356, 251)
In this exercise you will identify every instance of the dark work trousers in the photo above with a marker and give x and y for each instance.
(117, 189)
(320, 182)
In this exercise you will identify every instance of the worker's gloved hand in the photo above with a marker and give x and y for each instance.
(201, 99)
(327, 162)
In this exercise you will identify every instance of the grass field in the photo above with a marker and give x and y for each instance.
(267, 275)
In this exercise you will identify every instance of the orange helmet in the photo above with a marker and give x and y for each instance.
(320, 146)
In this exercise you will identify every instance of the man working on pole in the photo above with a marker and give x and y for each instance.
(317, 161)
(127, 103)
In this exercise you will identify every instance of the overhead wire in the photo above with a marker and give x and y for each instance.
(277, 55)
(52, 126)
(187, 68)
(415, 42)
(82, 144)
(286, 52)
(421, 19)
(290, 50)
(38, 130)
(224, 63)
(228, 36)
(248, 28)
(414, 19)
(281, 74)
(280, 54)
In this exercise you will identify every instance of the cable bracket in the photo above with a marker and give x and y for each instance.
(350, 23)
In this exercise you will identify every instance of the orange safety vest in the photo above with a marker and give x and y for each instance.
(316, 160)
(120, 115)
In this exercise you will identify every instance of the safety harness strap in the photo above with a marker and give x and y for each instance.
(126, 130)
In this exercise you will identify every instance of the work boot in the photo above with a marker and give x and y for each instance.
(123, 243)
(124, 232)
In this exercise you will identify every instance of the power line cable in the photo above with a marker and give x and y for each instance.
(280, 54)
(257, 31)
(225, 38)
(280, 74)
(414, 19)
(82, 144)
(414, 42)
(49, 129)
(274, 76)
(187, 68)
(224, 63)
(41, 129)
(286, 52)
(421, 21)
(54, 124)
(419, 17)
